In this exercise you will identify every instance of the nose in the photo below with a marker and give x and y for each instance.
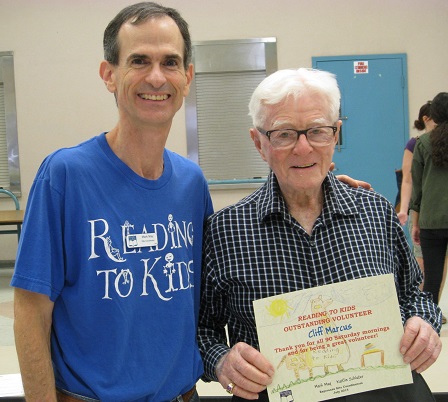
(155, 76)
(302, 145)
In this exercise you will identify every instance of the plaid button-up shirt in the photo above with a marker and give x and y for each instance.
(255, 249)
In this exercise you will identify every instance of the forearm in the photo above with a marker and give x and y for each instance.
(36, 369)
(212, 353)
(415, 216)
(422, 306)
(406, 192)
(412, 301)
(406, 185)
(32, 328)
(213, 317)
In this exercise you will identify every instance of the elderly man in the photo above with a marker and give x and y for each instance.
(303, 229)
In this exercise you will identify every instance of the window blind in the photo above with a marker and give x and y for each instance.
(9, 148)
(226, 151)
(4, 169)
(218, 139)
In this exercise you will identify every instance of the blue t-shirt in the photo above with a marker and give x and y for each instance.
(120, 257)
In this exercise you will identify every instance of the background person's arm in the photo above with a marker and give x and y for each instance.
(406, 187)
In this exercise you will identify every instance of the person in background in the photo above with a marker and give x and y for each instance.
(424, 123)
(107, 276)
(429, 201)
(300, 230)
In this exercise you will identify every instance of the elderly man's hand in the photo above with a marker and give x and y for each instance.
(246, 369)
(420, 344)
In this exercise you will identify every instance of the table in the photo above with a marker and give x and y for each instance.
(12, 217)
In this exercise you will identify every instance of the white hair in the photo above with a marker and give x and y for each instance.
(283, 83)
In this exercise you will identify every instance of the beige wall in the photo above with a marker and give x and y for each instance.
(57, 48)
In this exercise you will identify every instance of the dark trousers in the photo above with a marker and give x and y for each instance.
(434, 243)
(418, 391)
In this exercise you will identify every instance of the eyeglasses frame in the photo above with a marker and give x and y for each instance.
(299, 132)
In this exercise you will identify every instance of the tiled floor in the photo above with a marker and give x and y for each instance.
(436, 376)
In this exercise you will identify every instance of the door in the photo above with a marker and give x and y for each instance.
(374, 117)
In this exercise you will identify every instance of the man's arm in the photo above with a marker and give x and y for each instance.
(349, 181)
(353, 182)
(32, 327)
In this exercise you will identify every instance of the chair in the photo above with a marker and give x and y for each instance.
(11, 217)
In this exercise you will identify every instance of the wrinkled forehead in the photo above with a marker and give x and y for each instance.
(307, 108)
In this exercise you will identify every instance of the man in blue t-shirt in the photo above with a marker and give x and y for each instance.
(107, 276)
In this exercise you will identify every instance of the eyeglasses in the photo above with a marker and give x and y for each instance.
(287, 137)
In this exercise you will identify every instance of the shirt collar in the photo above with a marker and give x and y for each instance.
(270, 201)
(339, 199)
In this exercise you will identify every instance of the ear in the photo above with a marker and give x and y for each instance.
(255, 135)
(107, 75)
(189, 74)
(336, 136)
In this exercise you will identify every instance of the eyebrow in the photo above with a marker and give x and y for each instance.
(144, 56)
(281, 123)
(136, 56)
(322, 120)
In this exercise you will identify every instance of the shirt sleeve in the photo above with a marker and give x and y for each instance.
(213, 314)
(39, 264)
(417, 174)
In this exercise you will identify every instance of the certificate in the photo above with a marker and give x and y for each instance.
(333, 340)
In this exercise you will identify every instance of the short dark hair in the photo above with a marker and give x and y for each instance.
(136, 14)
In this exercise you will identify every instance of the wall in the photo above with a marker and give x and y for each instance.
(57, 46)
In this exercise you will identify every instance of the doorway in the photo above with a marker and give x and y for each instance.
(374, 114)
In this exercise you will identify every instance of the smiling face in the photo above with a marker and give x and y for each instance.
(150, 81)
(300, 169)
